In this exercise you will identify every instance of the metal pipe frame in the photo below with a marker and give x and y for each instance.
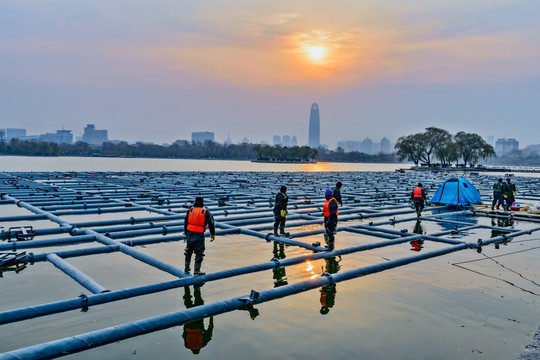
(50, 195)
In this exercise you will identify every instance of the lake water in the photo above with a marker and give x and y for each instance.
(465, 305)
(29, 163)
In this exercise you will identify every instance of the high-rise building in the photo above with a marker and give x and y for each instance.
(385, 145)
(286, 140)
(490, 140)
(60, 137)
(367, 146)
(15, 133)
(505, 146)
(94, 137)
(294, 141)
(276, 140)
(201, 137)
(314, 138)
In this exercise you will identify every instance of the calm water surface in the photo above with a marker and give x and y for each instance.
(462, 306)
(31, 163)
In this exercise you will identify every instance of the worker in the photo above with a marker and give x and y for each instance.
(197, 219)
(418, 197)
(336, 193)
(195, 335)
(330, 213)
(509, 192)
(280, 210)
(498, 199)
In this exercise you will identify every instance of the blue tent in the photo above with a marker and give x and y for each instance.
(456, 191)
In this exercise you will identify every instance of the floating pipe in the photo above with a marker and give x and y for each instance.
(109, 335)
(86, 281)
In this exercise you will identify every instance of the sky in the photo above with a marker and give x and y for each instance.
(158, 70)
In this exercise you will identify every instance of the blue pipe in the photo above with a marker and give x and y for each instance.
(77, 275)
(109, 335)
(66, 305)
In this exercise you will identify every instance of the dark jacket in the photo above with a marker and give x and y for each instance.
(280, 203)
(336, 194)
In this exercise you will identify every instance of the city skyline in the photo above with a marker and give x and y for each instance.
(160, 71)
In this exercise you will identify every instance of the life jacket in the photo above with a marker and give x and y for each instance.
(326, 208)
(417, 192)
(498, 187)
(194, 339)
(196, 219)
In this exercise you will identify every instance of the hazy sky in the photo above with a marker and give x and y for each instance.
(158, 70)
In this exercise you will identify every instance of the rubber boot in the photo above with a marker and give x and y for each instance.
(275, 230)
(187, 267)
(282, 230)
(198, 271)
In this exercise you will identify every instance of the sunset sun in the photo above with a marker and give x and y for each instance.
(316, 52)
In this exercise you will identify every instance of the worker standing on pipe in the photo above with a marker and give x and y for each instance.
(280, 210)
(336, 193)
(330, 213)
(197, 219)
(418, 197)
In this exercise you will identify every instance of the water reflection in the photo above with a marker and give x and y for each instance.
(196, 335)
(328, 292)
(17, 268)
(417, 245)
(502, 223)
(279, 274)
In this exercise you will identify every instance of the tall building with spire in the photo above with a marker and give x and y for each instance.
(314, 127)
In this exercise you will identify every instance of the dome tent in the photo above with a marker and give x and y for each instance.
(456, 191)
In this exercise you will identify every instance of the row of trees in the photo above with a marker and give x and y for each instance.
(278, 153)
(439, 144)
(209, 150)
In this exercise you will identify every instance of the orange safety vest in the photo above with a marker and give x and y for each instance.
(326, 208)
(417, 192)
(196, 220)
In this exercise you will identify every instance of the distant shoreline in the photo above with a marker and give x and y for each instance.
(283, 162)
(472, 170)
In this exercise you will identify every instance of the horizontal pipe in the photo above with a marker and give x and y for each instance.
(112, 334)
(86, 281)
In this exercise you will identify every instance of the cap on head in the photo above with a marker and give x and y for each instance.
(419, 184)
(328, 192)
(199, 201)
(338, 184)
(283, 189)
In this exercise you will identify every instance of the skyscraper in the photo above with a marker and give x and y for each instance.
(314, 127)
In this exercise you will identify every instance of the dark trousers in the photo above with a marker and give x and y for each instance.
(418, 205)
(330, 224)
(497, 200)
(194, 244)
(279, 221)
(509, 201)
